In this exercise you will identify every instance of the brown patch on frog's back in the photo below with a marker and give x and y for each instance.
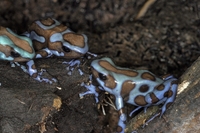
(48, 22)
(23, 44)
(58, 29)
(144, 88)
(110, 67)
(127, 87)
(160, 87)
(47, 33)
(42, 33)
(140, 100)
(154, 98)
(38, 45)
(168, 93)
(110, 82)
(55, 46)
(148, 76)
(75, 39)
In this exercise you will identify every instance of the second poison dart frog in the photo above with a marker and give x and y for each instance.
(140, 88)
(51, 38)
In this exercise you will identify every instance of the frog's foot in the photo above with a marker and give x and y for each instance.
(71, 66)
(91, 90)
(121, 123)
(32, 71)
(47, 80)
(152, 118)
(19, 65)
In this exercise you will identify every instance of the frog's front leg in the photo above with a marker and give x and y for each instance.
(45, 53)
(91, 90)
(122, 116)
(38, 76)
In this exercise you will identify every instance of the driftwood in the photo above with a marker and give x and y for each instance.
(183, 116)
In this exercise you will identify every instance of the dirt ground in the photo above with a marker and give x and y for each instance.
(165, 40)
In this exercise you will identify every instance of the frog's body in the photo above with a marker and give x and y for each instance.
(137, 87)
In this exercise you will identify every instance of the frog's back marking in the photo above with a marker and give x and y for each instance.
(48, 22)
(160, 87)
(17, 40)
(140, 100)
(74, 39)
(127, 87)
(109, 67)
(148, 76)
(110, 83)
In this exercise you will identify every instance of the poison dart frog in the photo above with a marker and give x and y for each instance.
(15, 48)
(140, 88)
(51, 38)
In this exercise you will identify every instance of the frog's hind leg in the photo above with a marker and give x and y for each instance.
(171, 96)
(139, 107)
(119, 103)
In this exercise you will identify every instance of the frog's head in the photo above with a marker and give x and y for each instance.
(14, 47)
(108, 75)
(59, 38)
(71, 44)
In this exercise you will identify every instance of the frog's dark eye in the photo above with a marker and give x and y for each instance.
(66, 49)
(14, 54)
(102, 76)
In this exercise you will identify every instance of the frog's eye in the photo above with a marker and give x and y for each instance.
(66, 49)
(102, 76)
(14, 54)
